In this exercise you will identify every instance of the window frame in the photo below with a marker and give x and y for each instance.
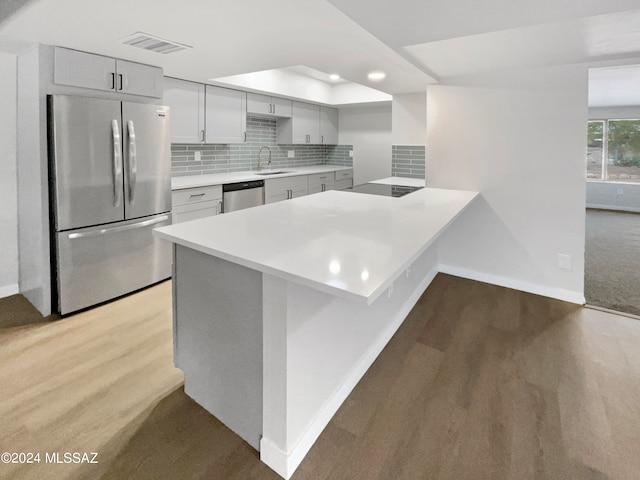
(605, 150)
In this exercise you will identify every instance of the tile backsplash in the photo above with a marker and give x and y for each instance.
(408, 161)
(243, 157)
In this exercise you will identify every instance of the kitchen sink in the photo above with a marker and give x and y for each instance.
(273, 172)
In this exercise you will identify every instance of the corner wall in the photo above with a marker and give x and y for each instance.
(522, 147)
(8, 177)
(409, 122)
(368, 130)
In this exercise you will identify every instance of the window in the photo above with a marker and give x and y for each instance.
(595, 151)
(613, 150)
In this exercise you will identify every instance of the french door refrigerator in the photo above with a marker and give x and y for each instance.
(110, 186)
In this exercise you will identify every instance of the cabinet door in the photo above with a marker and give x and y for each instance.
(139, 79)
(80, 69)
(186, 100)
(276, 195)
(299, 191)
(225, 115)
(258, 104)
(305, 121)
(281, 107)
(328, 125)
(346, 183)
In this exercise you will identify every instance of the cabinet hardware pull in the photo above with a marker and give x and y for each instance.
(245, 136)
(113, 81)
(121, 81)
(197, 195)
(202, 136)
(322, 139)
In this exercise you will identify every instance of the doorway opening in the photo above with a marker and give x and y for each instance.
(612, 238)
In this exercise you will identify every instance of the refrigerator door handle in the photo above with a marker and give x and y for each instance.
(133, 164)
(118, 181)
(123, 228)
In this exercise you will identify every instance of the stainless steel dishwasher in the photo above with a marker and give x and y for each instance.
(236, 196)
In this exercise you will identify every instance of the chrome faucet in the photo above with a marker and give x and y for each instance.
(260, 153)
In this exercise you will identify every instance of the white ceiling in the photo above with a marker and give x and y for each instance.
(414, 42)
(614, 87)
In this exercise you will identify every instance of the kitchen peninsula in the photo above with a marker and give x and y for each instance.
(279, 310)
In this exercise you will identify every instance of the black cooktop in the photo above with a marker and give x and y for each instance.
(381, 189)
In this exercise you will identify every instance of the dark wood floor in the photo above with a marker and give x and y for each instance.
(480, 382)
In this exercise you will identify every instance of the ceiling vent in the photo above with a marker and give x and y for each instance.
(153, 44)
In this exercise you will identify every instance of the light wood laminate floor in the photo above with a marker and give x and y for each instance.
(480, 382)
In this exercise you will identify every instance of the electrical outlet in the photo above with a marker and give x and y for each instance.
(620, 191)
(351, 153)
(198, 155)
(564, 261)
(291, 153)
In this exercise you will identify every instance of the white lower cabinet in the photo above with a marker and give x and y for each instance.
(342, 184)
(192, 203)
(277, 189)
(344, 178)
(321, 182)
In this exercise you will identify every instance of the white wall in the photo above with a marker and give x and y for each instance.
(8, 178)
(598, 113)
(613, 196)
(409, 119)
(522, 147)
(368, 129)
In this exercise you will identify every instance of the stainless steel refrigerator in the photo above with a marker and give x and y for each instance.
(110, 186)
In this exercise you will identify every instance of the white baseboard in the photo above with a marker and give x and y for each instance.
(558, 293)
(283, 463)
(9, 290)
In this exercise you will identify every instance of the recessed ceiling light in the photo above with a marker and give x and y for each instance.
(376, 76)
(334, 77)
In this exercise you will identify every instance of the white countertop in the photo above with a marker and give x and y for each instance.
(347, 244)
(189, 181)
(408, 182)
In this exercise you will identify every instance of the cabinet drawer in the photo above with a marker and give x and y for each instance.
(193, 195)
(285, 182)
(319, 178)
(183, 213)
(343, 174)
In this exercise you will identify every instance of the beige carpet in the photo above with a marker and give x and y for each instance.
(612, 260)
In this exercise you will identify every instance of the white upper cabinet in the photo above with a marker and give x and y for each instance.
(87, 70)
(266, 106)
(303, 127)
(225, 115)
(186, 100)
(328, 125)
(139, 79)
(80, 69)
